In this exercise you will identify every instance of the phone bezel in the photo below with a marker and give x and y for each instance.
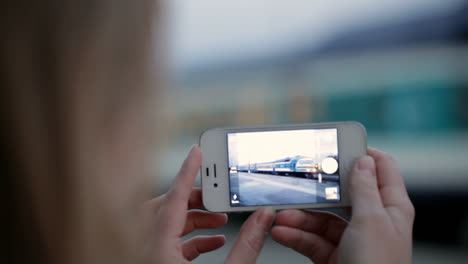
(352, 143)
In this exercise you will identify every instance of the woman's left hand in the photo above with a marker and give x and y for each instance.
(174, 214)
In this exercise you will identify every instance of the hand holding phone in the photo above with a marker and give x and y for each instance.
(380, 230)
(169, 217)
(288, 166)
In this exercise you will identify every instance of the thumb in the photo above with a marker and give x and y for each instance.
(182, 188)
(251, 237)
(364, 191)
(174, 210)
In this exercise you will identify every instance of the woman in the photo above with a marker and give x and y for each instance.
(80, 84)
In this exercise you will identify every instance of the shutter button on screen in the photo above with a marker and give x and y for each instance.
(329, 165)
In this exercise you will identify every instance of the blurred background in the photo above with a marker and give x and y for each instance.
(399, 67)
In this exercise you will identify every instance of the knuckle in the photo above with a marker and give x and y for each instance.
(311, 249)
(172, 193)
(390, 158)
(353, 183)
(176, 194)
(363, 183)
(376, 216)
(356, 181)
(304, 245)
(408, 210)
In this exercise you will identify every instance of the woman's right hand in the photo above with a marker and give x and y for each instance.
(380, 230)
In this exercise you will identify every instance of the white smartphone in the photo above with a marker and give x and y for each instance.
(285, 166)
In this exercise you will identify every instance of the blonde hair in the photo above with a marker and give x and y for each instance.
(74, 78)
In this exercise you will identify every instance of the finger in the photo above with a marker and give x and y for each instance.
(182, 188)
(251, 237)
(195, 200)
(148, 211)
(201, 219)
(155, 203)
(391, 184)
(174, 209)
(195, 246)
(311, 245)
(363, 189)
(327, 225)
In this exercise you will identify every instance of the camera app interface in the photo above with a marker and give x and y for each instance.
(283, 167)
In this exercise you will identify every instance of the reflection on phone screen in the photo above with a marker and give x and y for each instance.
(283, 167)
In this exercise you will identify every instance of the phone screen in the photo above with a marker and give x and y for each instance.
(283, 167)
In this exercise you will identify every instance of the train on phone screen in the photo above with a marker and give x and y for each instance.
(297, 166)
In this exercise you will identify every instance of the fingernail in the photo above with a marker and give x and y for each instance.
(266, 214)
(366, 163)
(191, 149)
(221, 235)
(269, 210)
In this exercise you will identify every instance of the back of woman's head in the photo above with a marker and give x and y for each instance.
(75, 80)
